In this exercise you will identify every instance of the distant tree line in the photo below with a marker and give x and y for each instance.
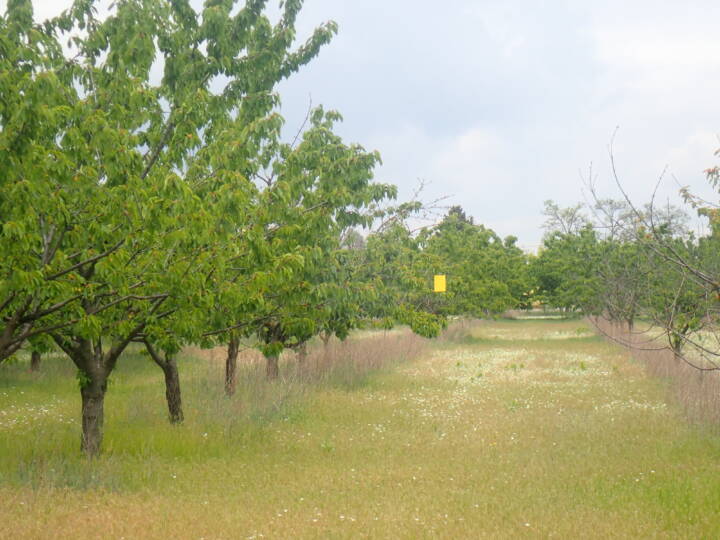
(614, 260)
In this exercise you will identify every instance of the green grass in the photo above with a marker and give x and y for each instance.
(516, 429)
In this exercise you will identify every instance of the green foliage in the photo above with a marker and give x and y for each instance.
(131, 204)
(674, 300)
(82, 378)
(396, 284)
(422, 323)
(645, 266)
(486, 276)
(564, 271)
(124, 197)
(311, 193)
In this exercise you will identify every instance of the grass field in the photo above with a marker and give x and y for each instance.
(510, 429)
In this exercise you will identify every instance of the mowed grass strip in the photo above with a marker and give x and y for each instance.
(518, 429)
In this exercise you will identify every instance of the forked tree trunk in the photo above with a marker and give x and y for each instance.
(94, 368)
(231, 366)
(272, 368)
(35, 361)
(173, 395)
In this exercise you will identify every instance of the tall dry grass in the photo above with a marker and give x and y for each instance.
(338, 362)
(345, 362)
(460, 329)
(696, 391)
(341, 364)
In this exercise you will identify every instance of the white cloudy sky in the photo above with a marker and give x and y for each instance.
(503, 105)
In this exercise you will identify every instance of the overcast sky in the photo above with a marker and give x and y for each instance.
(502, 105)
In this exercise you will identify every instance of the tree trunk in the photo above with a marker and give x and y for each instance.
(302, 353)
(172, 383)
(35, 361)
(272, 368)
(172, 390)
(325, 337)
(94, 368)
(92, 390)
(231, 366)
(677, 342)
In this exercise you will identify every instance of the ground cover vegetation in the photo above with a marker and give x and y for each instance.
(506, 428)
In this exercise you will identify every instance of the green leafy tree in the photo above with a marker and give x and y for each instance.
(118, 191)
(565, 271)
(487, 276)
(623, 270)
(676, 303)
(397, 283)
(318, 189)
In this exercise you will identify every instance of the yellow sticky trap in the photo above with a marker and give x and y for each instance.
(439, 283)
